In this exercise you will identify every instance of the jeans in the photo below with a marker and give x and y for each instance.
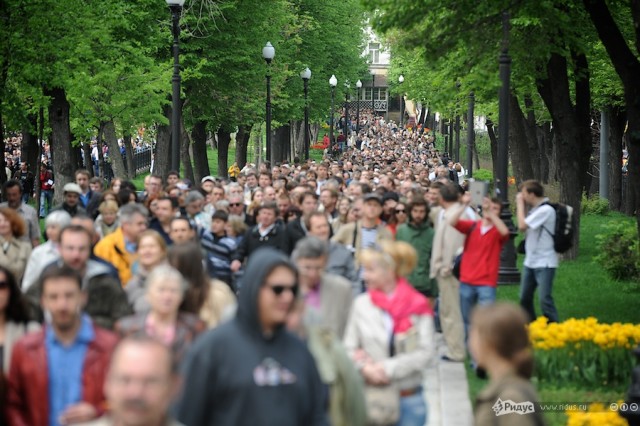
(413, 410)
(470, 295)
(46, 195)
(25, 197)
(542, 278)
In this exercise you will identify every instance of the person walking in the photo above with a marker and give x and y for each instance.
(541, 260)
(265, 375)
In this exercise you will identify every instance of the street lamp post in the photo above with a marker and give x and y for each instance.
(401, 80)
(306, 75)
(508, 273)
(359, 90)
(176, 10)
(347, 86)
(470, 135)
(268, 53)
(333, 82)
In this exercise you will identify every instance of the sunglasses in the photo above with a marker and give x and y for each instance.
(234, 204)
(3, 285)
(401, 211)
(278, 289)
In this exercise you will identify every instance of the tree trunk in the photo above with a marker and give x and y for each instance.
(162, 160)
(573, 130)
(200, 161)
(617, 122)
(185, 157)
(62, 158)
(491, 131)
(242, 144)
(519, 146)
(297, 136)
(110, 138)
(423, 115)
(128, 148)
(29, 146)
(224, 138)
(531, 131)
(86, 153)
(280, 145)
(545, 141)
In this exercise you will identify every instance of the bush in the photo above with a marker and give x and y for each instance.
(618, 251)
(594, 205)
(484, 174)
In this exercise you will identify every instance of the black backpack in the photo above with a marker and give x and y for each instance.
(565, 226)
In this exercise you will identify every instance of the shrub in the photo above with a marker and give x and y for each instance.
(594, 205)
(484, 174)
(618, 251)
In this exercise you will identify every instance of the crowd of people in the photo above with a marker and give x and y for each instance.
(293, 294)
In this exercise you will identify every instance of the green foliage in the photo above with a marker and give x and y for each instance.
(619, 251)
(594, 205)
(484, 174)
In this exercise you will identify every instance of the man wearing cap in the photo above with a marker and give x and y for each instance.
(207, 183)
(219, 247)
(366, 232)
(389, 201)
(71, 200)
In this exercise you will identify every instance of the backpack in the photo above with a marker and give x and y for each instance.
(565, 226)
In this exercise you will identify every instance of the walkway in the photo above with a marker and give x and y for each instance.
(447, 392)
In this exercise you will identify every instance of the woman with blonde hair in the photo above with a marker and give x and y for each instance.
(107, 221)
(152, 252)
(499, 342)
(14, 252)
(390, 336)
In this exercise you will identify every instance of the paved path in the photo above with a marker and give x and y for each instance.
(447, 392)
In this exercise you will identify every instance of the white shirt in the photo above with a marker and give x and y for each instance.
(541, 224)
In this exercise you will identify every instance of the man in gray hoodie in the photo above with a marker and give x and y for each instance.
(251, 371)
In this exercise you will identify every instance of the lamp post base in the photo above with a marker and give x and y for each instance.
(508, 273)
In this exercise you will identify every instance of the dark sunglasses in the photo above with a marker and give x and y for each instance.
(234, 204)
(279, 289)
(3, 285)
(400, 211)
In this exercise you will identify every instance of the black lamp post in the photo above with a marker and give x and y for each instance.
(401, 80)
(268, 53)
(306, 75)
(470, 135)
(347, 86)
(508, 274)
(333, 82)
(359, 90)
(176, 10)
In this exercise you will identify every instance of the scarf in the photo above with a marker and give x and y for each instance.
(404, 302)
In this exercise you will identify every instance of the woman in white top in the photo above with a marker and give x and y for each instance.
(390, 332)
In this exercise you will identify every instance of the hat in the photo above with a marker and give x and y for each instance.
(72, 187)
(372, 196)
(390, 196)
(208, 178)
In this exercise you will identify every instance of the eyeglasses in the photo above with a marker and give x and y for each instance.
(234, 204)
(3, 285)
(278, 289)
(401, 211)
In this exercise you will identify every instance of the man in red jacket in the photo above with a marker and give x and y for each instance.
(57, 374)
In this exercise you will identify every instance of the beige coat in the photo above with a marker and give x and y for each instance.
(366, 330)
(12, 333)
(447, 244)
(336, 297)
(15, 256)
(346, 232)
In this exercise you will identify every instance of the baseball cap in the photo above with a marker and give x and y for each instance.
(208, 178)
(72, 187)
(372, 196)
(390, 196)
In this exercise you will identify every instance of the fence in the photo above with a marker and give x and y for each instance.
(142, 160)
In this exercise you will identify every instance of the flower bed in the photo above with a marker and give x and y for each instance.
(597, 415)
(584, 351)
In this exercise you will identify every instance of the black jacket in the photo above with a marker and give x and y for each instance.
(276, 238)
(235, 375)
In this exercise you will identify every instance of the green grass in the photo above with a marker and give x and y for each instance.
(581, 289)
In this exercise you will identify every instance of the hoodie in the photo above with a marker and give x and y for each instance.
(235, 375)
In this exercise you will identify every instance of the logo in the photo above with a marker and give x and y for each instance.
(508, 407)
(271, 373)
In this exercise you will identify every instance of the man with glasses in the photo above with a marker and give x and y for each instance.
(262, 364)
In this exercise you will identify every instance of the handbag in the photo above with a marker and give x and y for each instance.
(383, 405)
